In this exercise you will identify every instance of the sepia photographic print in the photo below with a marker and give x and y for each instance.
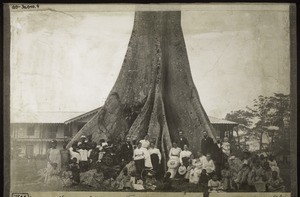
(150, 100)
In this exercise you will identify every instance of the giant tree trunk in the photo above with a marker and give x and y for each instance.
(154, 93)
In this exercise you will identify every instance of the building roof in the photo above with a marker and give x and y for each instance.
(214, 120)
(81, 116)
(68, 117)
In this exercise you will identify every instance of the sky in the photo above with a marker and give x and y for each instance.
(69, 61)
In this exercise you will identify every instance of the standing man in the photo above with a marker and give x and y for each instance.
(126, 151)
(207, 144)
(182, 140)
(218, 156)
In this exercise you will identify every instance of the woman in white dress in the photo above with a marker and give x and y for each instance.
(196, 170)
(174, 155)
(155, 156)
(185, 156)
(209, 164)
(139, 159)
(148, 163)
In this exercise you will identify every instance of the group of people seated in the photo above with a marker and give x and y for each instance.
(252, 173)
(81, 157)
(221, 172)
(214, 168)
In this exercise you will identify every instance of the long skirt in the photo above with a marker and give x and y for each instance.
(155, 162)
(173, 171)
(139, 166)
(185, 161)
(195, 175)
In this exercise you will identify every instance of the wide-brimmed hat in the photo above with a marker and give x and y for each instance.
(182, 170)
(172, 163)
(232, 157)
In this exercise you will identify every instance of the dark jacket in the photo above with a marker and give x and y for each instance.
(207, 145)
(126, 152)
(182, 141)
(94, 155)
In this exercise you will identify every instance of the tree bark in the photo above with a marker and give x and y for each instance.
(154, 93)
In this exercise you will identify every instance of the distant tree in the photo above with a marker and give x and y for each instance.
(244, 118)
(240, 116)
(279, 116)
(269, 115)
(260, 111)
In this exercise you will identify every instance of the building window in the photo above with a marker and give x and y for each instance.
(30, 130)
(67, 131)
(29, 150)
(53, 132)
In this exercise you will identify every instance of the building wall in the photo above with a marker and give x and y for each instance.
(21, 131)
(34, 139)
(38, 148)
(45, 131)
(74, 127)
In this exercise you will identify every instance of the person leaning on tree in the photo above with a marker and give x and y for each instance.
(126, 151)
(182, 140)
(139, 159)
(207, 143)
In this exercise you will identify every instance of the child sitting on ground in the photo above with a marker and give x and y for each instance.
(66, 177)
(214, 185)
(75, 169)
(203, 182)
(138, 185)
(275, 183)
(125, 183)
(150, 183)
(242, 176)
(167, 182)
(226, 178)
(97, 179)
(273, 164)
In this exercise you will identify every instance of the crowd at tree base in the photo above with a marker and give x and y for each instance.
(214, 171)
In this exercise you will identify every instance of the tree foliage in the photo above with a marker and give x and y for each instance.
(266, 113)
(240, 116)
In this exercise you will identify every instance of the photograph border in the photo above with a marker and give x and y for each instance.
(6, 102)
